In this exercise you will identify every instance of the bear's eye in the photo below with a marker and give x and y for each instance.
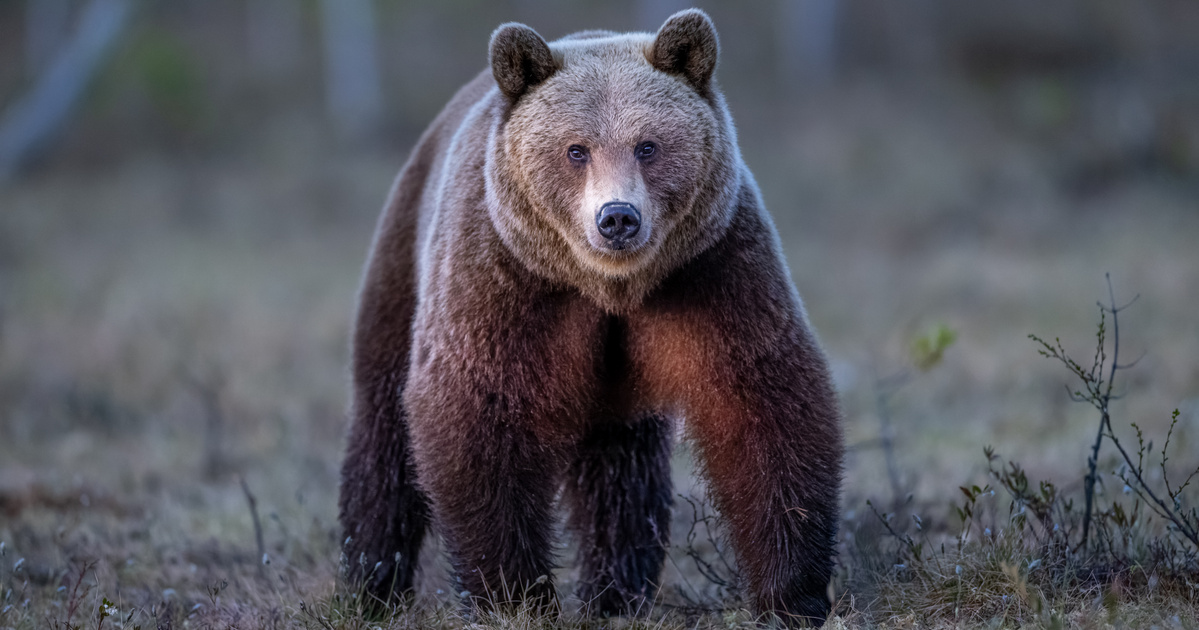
(646, 150)
(577, 153)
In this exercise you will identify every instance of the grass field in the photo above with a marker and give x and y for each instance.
(171, 326)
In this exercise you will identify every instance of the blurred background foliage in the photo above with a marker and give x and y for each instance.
(1108, 85)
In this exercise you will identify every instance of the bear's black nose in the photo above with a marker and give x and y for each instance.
(618, 221)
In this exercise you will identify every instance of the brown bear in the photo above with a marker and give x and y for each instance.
(574, 258)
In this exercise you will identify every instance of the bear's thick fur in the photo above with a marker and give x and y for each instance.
(575, 258)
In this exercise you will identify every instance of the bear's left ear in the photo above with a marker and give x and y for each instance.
(520, 59)
(687, 45)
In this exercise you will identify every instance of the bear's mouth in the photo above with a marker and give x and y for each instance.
(614, 258)
(620, 250)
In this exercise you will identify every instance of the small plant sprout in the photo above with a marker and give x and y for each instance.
(107, 609)
(928, 350)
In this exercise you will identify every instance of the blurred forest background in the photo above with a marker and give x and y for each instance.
(188, 189)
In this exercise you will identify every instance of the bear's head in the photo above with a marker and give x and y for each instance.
(612, 160)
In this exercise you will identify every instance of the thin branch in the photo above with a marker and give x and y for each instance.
(1092, 463)
(884, 388)
(1159, 506)
(1127, 304)
(1166, 456)
(262, 557)
(1127, 366)
(1115, 337)
(208, 390)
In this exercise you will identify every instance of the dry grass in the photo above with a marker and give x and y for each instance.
(169, 326)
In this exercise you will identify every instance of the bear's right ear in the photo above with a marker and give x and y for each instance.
(687, 45)
(520, 59)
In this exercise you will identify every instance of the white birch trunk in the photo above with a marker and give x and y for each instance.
(29, 125)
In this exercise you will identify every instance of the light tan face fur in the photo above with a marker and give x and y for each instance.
(608, 100)
(612, 177)
(610, 95)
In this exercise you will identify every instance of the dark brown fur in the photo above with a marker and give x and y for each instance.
(619, 494)
(500, 355)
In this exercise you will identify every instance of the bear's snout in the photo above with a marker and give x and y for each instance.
(618, 221)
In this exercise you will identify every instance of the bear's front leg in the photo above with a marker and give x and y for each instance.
(771, 451)
(492, 483)
(619, 492)
(496, 397)
(725, 340)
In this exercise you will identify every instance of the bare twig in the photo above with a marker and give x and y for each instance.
(884, 388)
(208, 390)
(1169, 512)
(1089, 492)
(75, 599)
(262, 557)
(724, 576)
(1098, 388)
(1099, 394)
(311, 614)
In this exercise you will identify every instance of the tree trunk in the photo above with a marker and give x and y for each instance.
(31, 123)
(807, 37)
(352, 89)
